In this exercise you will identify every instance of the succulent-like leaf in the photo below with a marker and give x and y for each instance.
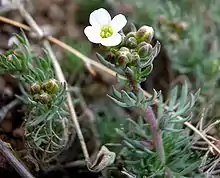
(104, 61)
(183, 96)
(116, 93)
(173, 98)
(120, 103)
(127, 99)
(140, 97)
(160, 108)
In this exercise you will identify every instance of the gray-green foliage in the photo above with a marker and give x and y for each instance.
(142, 155)
(138, 151)
(46, 121)
(193, 50)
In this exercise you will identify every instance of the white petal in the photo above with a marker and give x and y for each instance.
(93, 34)
(118, 22)
(99, 17)
(113, 40)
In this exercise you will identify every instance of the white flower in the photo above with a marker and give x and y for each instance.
(103, 29)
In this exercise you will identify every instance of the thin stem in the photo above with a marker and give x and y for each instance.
(157, 134)
(202, 136)
(60, 77)
(4, 110)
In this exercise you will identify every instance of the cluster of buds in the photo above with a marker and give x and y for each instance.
(135, 47)
(173, 28)
(179, 26)
(44, 92)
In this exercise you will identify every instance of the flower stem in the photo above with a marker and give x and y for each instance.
(157, 134)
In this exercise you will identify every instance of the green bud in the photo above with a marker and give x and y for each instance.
(124, 57)
(45, 98)
(36, 97)
(145, 33)
(145, 50)
(131, 42)
(130, 34)
(141, 44)
(135, 56)
(124, 49)
(51, 86)
(35, 88)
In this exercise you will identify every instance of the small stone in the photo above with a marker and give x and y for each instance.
(6, 125)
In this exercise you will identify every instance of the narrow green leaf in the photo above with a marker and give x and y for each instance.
(129, 145)
(173, 97)
(160, 109)
(183, 96)
(116, 93)
(140, 97)
(127, 99)
(104, 61)
(118, 102)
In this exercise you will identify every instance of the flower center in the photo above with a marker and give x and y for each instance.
(106, 31)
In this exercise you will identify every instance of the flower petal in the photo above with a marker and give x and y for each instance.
(93, 34)
(118, 22)
(113, 40)
(99, 17)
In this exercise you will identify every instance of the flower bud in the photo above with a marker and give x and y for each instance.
(45, 98)
(124, 57)
(145, 33)
(51, 86)
(135, 56)
(141, 44)
(36, 97)
(124, 49)
(145, 50)
(35, 88)
(130, 34)
(111, 57)
(131, 42)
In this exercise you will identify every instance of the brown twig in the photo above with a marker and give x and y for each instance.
(101, 67)
(4, 149)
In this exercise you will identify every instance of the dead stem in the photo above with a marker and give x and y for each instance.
(4, 149)
(99, 66)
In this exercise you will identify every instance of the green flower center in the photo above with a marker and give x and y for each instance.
(106, 31)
